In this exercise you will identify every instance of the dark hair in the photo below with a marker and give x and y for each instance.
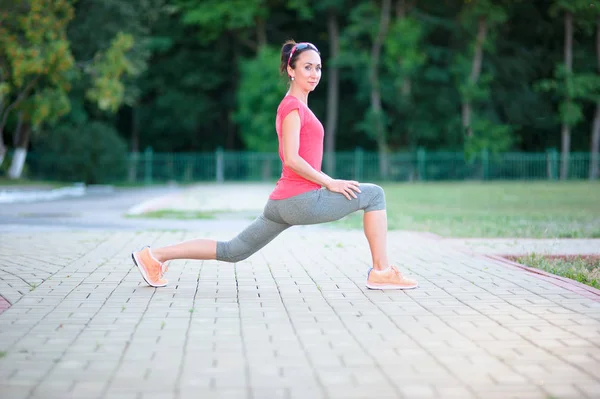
(286, 49)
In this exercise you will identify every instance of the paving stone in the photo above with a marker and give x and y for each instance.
(293, 321)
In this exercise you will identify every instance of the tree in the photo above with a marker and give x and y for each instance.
(570, 86)
(404, 59)
(333, 10)
(486, 16)
(34, 57)
(257, 98)
(569, 110)
(126, 31)
(40, 69)
(362, 45)
(376, 108)
(595, 136)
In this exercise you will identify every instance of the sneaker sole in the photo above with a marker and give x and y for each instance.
(389, 287)
(143, 272)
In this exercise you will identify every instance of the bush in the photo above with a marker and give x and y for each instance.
(91, 153)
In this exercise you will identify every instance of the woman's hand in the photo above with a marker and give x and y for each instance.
(345, 187)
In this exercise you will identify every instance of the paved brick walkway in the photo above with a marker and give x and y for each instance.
(293, 321)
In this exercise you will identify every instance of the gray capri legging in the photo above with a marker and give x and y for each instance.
(313, 207)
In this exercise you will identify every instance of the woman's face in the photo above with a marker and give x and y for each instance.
(307, 72)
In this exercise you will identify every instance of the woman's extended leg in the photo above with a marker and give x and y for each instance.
(199, 249)
(251, 239)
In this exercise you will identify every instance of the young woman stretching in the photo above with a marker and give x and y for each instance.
(303, 195)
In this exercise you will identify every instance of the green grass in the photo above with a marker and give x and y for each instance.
(586, 270)
(493, 209)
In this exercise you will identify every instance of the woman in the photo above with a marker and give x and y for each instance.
(303, 194)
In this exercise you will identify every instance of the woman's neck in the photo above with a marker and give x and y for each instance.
(299, 94)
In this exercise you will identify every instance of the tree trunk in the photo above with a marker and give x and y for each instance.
(2, 149)
(135, 144)
(135, 129)
(566, 129)
(2, 146)
(595, 141)
(17, 133)
(261, 32)
(467, 109)
(380, 132)
(595, 145)
(333, 92)
(402, 8)
(235, 80)
(18, 161)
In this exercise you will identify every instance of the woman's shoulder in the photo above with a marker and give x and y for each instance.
(289, 103)
(289, 99)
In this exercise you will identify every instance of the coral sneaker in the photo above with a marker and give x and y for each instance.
(389, 279)
(151, 269)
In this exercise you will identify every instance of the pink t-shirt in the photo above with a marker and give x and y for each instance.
(311, 148)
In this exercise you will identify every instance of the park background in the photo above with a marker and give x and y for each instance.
(186, 90)
(480, 119)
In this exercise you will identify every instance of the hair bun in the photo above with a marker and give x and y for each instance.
(288, 46)
(286, 49)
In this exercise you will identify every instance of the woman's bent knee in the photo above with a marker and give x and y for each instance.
(376, 197)
(225, 253)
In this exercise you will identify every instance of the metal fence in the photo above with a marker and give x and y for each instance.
(150, 167)
(220, 166)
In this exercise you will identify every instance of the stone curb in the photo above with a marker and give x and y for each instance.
(571, 285)
(564, 282)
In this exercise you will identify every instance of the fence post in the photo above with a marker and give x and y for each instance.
(358, 163)
(485, 163)
(148, 165)
(219, 165)
(552, 163)
(421, 164)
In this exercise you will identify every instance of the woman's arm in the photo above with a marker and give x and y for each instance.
(291, 158)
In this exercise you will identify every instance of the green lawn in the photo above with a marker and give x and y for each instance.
(586, 270)
(494, 209)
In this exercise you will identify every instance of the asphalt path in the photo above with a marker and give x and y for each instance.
(105, 209)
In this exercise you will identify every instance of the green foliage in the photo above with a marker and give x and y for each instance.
(258, 99)
(403, 48)
(476, 91)
(183, 66)
(47, 104)
(188, 98)
(573, 88)
(216, 16)
(91, 153)
(493, 12)
(95, 33)
(108, 91)
(573, 6)
(489, 136)
(35, 55)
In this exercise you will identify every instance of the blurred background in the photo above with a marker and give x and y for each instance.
(144, 91)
